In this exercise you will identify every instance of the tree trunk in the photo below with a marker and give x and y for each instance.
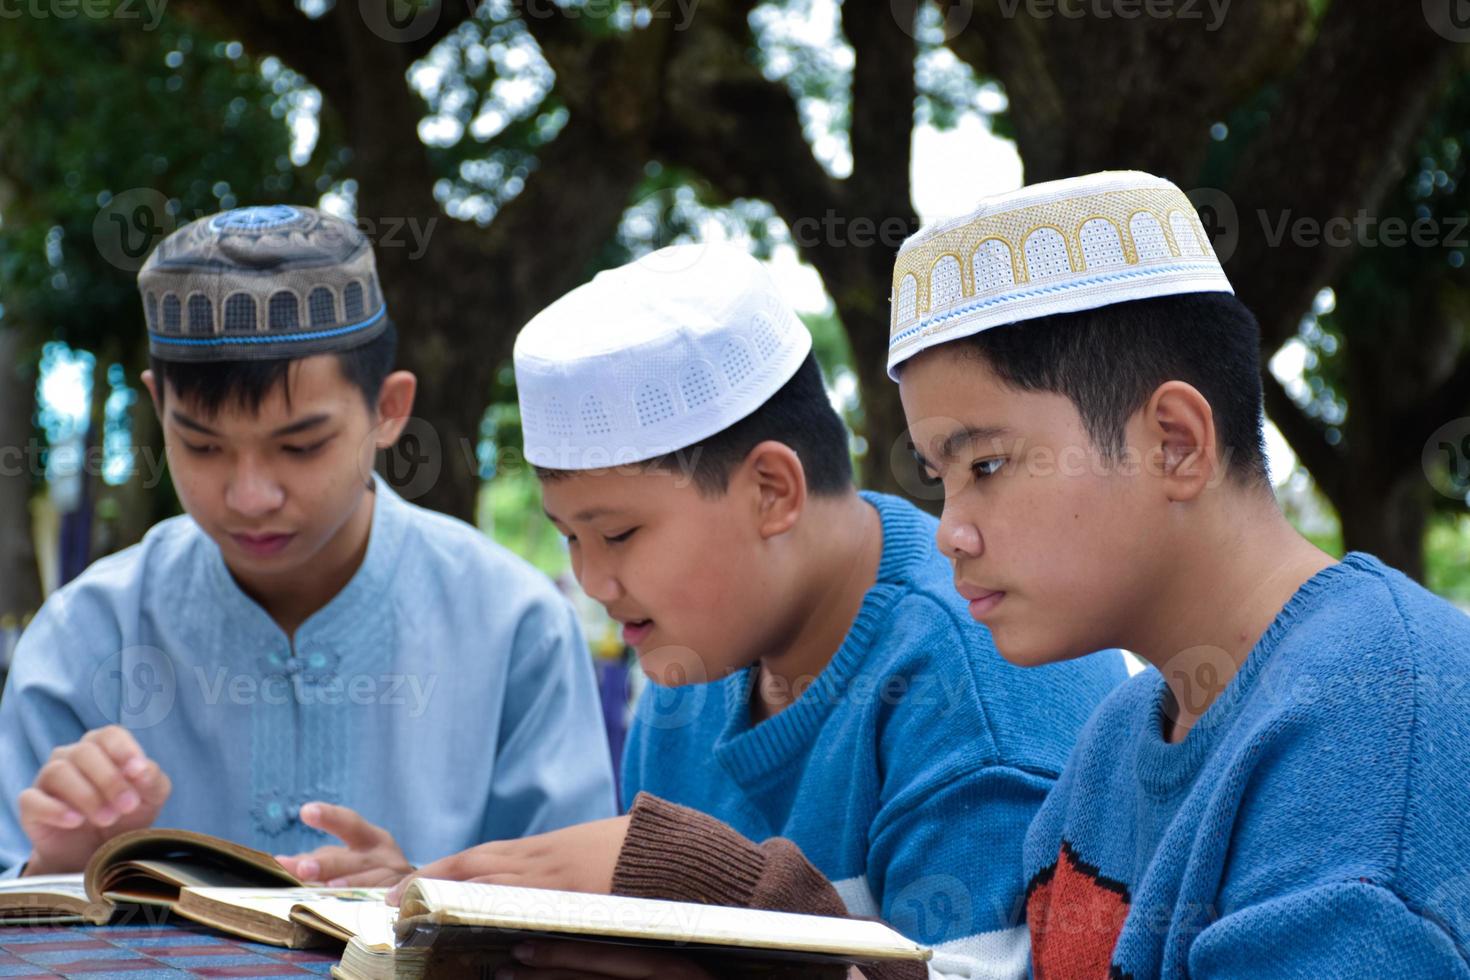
(20, 584)
(1387, 518)
(143, 500)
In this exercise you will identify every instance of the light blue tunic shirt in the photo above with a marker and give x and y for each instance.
(445, 693)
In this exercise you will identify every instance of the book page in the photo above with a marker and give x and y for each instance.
(190, 858)
(536, 910)
(278, 902)
(186, 874)
(49, 899)
(69, 886)
(368, 919)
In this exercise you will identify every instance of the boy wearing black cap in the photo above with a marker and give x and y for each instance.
(304, 639)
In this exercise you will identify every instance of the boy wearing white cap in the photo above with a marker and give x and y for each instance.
(304, 640)
(815, 675)
(1285, 796)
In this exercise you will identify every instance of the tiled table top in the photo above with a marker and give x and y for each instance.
(144, 952)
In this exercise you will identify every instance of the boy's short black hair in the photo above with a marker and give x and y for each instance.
(1109, 360)
(799, 415)
(246, 384)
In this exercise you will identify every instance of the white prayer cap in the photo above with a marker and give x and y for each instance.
(1057, 247)
(653, 357)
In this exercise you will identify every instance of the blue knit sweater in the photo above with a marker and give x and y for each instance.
(1314, 824)
(907, 773)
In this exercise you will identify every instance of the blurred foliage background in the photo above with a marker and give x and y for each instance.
(500, 152)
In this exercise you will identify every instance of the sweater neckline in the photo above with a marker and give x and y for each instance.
(1165, 767)
(749, 751)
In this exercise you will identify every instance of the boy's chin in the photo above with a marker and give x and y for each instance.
(293, 558)
(671, 665)
(1022, 650)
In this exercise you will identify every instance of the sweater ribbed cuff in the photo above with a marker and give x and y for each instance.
(675, 853)
(679, 854)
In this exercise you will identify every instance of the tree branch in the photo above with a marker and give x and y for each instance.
(883, 91)
(1085, 92)
(1332, 149)
(743, 133)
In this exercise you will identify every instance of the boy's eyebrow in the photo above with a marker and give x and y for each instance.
(968, 434)
(189, 423)
(300, 425)
(590, 514)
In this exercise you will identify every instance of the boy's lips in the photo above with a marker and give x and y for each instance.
(262, 545)
(981, 600)
(635, 631)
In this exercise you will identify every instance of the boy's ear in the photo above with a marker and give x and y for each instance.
(150, 381)
(1180, 427)
(775, 472)
(395, 405)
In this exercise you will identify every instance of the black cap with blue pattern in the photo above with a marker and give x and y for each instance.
(261, 283)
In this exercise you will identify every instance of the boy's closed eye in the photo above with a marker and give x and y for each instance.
(609, 538)
(306, 450)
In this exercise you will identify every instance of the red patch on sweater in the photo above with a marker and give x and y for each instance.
(1075, 916)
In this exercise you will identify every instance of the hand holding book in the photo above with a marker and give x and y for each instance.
(86, 794)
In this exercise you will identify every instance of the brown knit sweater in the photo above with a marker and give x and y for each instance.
(680, 854)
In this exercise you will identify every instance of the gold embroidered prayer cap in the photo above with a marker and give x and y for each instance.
(1056, 247)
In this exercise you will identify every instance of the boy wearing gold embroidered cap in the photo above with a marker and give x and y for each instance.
(303, 640)
(1285, 795)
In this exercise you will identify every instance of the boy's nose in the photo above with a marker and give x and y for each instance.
(598, 581)
(252, 492)
(959, 538)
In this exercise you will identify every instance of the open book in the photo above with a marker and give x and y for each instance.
(142, 868)
(48, 900)
(294, 917)
(448, 928)
(217, 883)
